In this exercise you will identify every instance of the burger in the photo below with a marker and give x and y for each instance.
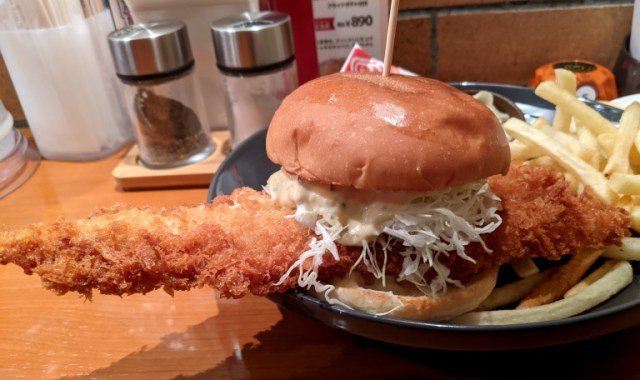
(395, 166)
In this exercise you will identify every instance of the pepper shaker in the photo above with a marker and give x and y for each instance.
(155, 61)
(255, 55)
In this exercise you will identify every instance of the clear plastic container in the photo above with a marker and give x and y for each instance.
(7, 142)
(63, 77)
(18, 159)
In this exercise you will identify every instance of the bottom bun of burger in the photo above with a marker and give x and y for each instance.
(407, 303)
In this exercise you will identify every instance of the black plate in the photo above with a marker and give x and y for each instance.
(248, 165)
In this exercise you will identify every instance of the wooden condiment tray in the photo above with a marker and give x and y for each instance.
(132, 175)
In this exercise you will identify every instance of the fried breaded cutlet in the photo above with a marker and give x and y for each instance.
(244, 243)
(238, 244)
(543, 217)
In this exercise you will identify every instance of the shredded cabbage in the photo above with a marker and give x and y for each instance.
(428, 227)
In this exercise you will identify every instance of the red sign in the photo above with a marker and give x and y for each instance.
(360, 60)
(322, 24)
(304, 37)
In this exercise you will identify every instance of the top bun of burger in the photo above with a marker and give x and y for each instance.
(396, 133)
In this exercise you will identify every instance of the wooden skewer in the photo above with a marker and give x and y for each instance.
(391, 36)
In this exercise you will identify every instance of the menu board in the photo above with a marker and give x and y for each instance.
(339, 24)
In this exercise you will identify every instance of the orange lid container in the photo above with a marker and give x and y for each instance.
(594, 81)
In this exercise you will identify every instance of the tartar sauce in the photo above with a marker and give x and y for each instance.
(363, 213)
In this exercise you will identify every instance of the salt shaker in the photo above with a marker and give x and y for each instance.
(156, 62)
(255, 55)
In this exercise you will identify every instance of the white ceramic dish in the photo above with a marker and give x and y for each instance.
(624, 101)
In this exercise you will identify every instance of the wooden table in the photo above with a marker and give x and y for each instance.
(196, 335)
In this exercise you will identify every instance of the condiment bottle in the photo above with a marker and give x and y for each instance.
(594, 81)
(255, 55)
(156, 62)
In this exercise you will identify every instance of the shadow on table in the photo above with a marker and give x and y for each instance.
(327, 353)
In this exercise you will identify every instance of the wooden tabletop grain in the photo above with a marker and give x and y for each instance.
(197, 335)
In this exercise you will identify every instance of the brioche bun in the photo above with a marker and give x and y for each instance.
(395, 133)
(413, 305)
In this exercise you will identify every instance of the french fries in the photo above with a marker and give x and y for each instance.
(567, 81)
(619, 159)
(622, 183)
(611, 283)
(563, 156)
(550, 91)
(514, 291)
(590, 151)
(635, 218)
(628, 250)
(591, 278)
(525, 267)
(561, 281)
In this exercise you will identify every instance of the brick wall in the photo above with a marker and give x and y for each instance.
(487, 40)
(505, 41)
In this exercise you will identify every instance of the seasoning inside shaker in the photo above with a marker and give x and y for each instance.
(255, 55)
(172, 131)
(156, 63)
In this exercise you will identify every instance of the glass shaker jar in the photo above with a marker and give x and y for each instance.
(255, 55)
(156, 62)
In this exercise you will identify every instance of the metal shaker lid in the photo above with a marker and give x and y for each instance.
(252, 40)
(150, 48)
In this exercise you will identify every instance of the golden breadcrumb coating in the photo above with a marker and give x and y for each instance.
(244, 243)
